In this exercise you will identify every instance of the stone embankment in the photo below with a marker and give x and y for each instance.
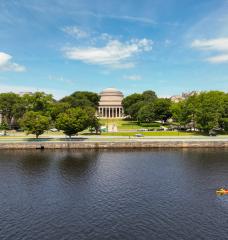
(186, 143)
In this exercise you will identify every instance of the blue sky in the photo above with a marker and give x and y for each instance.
(169, 46)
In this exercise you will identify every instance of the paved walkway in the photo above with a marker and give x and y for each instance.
(92, 138)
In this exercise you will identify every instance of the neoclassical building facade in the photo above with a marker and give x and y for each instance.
(110, 105)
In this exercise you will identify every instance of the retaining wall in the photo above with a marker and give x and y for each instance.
(117, 144)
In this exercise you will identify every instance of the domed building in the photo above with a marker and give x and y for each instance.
(110, 105)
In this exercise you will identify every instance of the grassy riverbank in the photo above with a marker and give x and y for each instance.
(86, 134)
(122, 124)
(165, 133)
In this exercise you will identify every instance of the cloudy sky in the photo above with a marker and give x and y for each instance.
(61, 46)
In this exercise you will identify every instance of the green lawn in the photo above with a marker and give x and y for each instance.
(122, 124)
(166, 133)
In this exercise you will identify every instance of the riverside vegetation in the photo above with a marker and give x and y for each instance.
(35, 113)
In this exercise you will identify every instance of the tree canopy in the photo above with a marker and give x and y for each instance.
(72, 121)
(36, 112)
(8, 106)
(206, 111)
(134, 102)
(35, 123)
(82, 99)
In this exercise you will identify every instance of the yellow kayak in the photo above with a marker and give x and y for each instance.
(222, 191)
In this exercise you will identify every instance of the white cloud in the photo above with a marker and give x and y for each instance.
(76, 32)
(115, 54)
(133, 77)
(134, 19)
(127, 18)
(212, 34)
(60, 79)
(106, 37)
(6, 64)
(218, 59)
(218, 44)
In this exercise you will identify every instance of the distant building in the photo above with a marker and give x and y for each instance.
(110, 105)
(176, 98)
(23, 93)
(183, 96)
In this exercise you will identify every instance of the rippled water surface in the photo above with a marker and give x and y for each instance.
(156, 194)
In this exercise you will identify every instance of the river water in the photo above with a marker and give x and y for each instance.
(140, 194)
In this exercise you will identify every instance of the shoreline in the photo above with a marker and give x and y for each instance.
(142, 143)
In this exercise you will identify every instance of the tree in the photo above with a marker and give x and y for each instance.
(184, 112)
(82, 99)
(149, 96)
(209, 110)
(95, 125)
(177, 110)
(225, 97)
(224, 124)
(205, 110)
(4, 126)
(34, 123)
(134, 110)
(8, 102)
(162, 109)
(134, 102)
(129, 101)
(146, 114)
(57, 108)
(72, 121)
(38, 102)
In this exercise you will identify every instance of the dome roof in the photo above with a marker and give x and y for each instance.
(111, 90)
(111, 97)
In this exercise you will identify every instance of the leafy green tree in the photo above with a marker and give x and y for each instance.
(209, 110)
(35, 123)
(149, 96)
(134, 102)
(57, 108)
(94, 125)
(224, 124)
(129, 101)
(19, 109)
(155, 109)
(205, 110)
(184, 112)
(72, 121)
(4, 126)
(82, 99)
(225, 99)
(134, 109)
(147, 114)
(13, 106)
(8, 102)
(162, 109)
(38, 102)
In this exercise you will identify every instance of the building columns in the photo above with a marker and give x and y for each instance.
(110, 112)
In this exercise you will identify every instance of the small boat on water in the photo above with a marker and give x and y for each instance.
(222, 191)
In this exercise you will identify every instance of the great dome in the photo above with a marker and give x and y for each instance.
(111, 90)
(110, 105)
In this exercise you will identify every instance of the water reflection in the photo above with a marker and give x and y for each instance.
(76, 164)
(70, 163)
(34, 163)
